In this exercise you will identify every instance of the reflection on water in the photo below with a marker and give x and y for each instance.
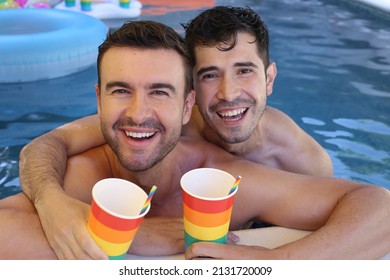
(364, 125)
(369, 89)
(333, 60)
(368, 154)
(9, 180)
(360, 149)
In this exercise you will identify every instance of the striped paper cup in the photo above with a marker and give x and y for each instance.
(207, 205)
(115, 215)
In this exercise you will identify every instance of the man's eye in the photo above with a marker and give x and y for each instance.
(245, 71)
(208, 76)
(160, 93)
(120, 91)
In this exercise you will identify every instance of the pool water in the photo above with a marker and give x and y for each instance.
(333, 60)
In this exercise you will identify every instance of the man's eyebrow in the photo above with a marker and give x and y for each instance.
(206, 69)
(162, 85)
(112, 84)
(121, 84)
(237, 64)
(245, 64)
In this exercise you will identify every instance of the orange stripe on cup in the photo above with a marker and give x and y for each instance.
(108, 234)
(112, 221)
(207, 219)
(208, 206)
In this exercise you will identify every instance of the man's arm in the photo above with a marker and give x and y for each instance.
(363, 234)
(42, 168)
(42, 161)
(350, 220)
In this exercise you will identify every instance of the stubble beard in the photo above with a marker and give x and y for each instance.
(239, 133)
(137, 161)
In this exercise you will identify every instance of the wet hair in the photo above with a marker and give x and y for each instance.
(147, 35)
(221, 24)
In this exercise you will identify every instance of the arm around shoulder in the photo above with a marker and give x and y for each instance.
(43, 160)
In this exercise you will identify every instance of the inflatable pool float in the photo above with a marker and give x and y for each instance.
(37, 44)
(379, 4)
(104, 9)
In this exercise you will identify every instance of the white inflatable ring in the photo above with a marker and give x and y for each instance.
(37, 44)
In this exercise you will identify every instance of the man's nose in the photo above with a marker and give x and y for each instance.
(139, 108)
(229, 89)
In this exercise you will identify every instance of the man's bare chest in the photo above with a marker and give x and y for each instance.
(168, 206)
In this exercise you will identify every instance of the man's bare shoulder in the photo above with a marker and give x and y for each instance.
(295, 150)
(202, 150)
(94, 156)
(280, 123)
(85, 169)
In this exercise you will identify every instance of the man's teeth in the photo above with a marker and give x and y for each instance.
(232, 113)
(139, 134)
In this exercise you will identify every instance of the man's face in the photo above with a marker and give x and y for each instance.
(141, 104)
(231, 88)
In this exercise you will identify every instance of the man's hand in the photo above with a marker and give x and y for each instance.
(159, 236)
(64, 221)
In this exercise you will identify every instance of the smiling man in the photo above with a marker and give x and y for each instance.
(233, 76)
(234, 89)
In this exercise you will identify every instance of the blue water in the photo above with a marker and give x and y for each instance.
(333, 60)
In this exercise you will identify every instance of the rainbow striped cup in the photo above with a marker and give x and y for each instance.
(207, 205)
(115, 215)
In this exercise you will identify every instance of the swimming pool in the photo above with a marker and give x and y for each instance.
(333, 61)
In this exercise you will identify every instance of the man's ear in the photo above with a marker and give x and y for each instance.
(98, 100)
(270, 77)
(188, 104)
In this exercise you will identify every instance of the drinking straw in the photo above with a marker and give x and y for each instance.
(147, 202)
(235, 185)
